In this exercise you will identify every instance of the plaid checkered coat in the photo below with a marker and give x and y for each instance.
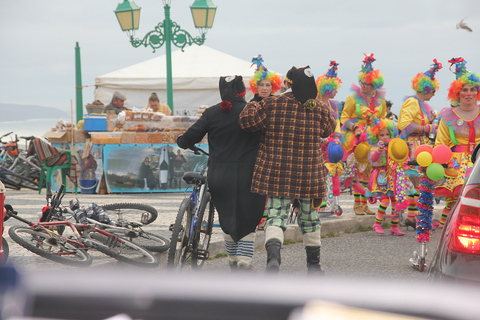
(290, 162)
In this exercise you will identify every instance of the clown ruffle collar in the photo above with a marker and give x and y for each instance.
(451, 119)
(377, 99)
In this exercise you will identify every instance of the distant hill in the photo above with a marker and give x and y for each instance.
(19, 112)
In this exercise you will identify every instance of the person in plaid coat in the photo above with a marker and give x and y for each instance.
(290, 163)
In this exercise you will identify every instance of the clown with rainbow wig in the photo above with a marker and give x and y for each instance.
(264, 83)
(328, 85)
(459, 129)
(414, 123)
(362, 108)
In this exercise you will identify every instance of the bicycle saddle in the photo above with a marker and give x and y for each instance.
(193, 178)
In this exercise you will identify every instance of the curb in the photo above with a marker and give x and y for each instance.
(293, 234)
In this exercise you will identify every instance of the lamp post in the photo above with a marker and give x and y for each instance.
(167, 32)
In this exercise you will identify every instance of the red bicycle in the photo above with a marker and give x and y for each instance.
(65, 242)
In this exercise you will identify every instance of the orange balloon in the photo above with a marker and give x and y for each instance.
(441, 154)
(422, 148)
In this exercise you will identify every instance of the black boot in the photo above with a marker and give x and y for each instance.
(273, 247)
(313, 260)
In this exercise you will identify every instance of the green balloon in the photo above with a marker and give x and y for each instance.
(435, 171)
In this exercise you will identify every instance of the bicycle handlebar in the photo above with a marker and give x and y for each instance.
(198, 150)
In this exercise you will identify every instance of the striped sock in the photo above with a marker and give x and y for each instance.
(231, 248)
(245, 250)
(412, 206)
(395, 221)
(446, 210)
(384, 202)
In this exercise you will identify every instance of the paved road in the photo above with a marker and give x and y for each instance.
(365, 252)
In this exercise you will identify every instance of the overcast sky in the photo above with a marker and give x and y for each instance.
(37, 51)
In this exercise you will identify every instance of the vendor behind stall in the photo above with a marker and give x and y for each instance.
(154, 105)
(117, 103)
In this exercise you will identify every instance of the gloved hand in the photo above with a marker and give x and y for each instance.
(381, 145)
(358, 131)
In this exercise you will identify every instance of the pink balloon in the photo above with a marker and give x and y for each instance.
(441, 154)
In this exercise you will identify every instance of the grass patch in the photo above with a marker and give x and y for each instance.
(289, 241)
(328, 235)
(362, 228)
(220, 255)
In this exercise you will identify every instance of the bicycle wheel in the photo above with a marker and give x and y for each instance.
(122, 249)
(203, 232)
(5, 251)
(49, 246)
(148, 240)
(20, 168)
(180, 251)
(9, 183)
(21, 181)
(135, 212)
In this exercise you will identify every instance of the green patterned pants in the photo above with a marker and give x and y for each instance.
(279, 208)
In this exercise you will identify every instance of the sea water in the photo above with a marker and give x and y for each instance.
(32, 127)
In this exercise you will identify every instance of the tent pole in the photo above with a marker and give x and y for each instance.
(168, 42)
(78, 87)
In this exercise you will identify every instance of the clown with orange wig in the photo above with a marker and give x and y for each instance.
(459, 129)
(264, 83)
(415, 124)
(365, 105)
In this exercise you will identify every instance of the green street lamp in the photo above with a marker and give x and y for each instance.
(167, 32)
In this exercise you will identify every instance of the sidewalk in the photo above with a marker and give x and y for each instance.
(28, 202)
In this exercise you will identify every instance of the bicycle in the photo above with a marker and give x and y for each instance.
(47, 240)
(124, 226)
(192, 230)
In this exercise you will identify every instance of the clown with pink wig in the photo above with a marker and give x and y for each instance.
(361, 109)
(415, 125)
(459, 129)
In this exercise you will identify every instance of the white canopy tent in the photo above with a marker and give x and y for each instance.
(196, 72)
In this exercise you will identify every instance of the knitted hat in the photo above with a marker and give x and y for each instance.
(232, 89)
(329, 82)
(463, 77)
(373, 77)
(372, 132)
(303, 86)
(426, 82)
(261, 73)
(119, 96)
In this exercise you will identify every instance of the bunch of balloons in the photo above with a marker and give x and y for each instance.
(432, 159)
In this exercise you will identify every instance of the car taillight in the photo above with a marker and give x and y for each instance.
(465, 224)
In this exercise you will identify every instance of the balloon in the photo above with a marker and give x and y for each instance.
(441, 154)
(421, 148)
(435, 171)
(424, 159)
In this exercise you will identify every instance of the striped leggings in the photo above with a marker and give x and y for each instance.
(242, 251)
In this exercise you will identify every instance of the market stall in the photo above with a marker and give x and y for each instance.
(133, 152)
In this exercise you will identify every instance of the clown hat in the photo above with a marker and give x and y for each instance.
(462, 77)
(398, 150)
(426, 82)
(373, 77)
(361, 152)
(329, 82)
(261, 73)
(335, 152)
(303, 86)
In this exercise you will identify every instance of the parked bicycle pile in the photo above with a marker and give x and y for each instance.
(68, 234)
(16, 169)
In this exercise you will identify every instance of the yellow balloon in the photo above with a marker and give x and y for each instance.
(424, 159)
